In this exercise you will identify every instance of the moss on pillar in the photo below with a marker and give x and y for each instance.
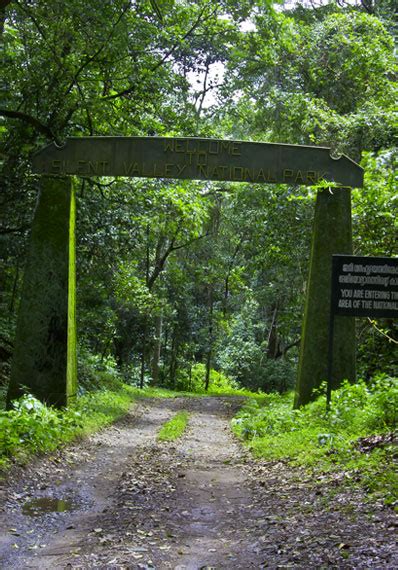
(71, 365)
(332, 233)
(44, 360)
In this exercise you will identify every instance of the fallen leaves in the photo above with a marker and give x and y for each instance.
(206, 500)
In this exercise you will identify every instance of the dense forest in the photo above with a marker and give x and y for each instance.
(178, 278)
(186, 447)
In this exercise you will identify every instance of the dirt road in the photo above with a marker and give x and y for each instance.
(201, 502)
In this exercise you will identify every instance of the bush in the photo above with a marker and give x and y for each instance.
(312, 437)
(195, 380)
(34, 426)
(356, 409)
(97, 373)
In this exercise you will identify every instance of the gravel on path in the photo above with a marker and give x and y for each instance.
(200, 502)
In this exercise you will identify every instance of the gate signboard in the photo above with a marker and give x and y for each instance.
(197, 159)
(365, 286)
(361, 287)
(45, 355)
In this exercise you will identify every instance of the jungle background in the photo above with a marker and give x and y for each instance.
(184, 283)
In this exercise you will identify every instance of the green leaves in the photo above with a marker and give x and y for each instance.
(131, 289)
(31, 425)
(357, 409)
(327, 79)
(339, 442)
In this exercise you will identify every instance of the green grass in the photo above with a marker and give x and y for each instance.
(32, 427)
(174, 428)
(330, 442)
(214, 392)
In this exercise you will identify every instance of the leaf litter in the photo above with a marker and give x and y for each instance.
(199, 502)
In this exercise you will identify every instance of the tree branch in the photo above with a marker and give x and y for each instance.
(390, 339)
(162, 260)
(38, 125)
(160, 265)
(130, 89)
(176, 247)
(92, 57)
(291, 345)
(204, 91)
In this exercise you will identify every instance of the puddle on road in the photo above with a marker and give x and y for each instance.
(43, 505)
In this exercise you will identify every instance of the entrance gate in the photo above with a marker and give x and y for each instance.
(44, 360)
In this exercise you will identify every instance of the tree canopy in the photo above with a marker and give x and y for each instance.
(173, 274)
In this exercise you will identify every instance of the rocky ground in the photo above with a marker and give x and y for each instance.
(200, 502)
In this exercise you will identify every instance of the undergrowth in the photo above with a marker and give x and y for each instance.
(174, 428)
(32, 427)
(193, 383)
(331, 441)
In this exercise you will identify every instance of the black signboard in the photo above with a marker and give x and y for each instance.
(361, 287)
(365, 286)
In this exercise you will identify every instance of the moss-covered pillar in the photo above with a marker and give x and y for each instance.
(44, 360)
(332, 233)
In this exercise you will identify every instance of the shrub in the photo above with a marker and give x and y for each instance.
(31, 424)
(195, 380)
(96, 372)
(312, 437)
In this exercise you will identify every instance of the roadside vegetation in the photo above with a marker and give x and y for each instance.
(354, 442)
(31, 427)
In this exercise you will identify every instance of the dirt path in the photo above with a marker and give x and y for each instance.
(201, 502)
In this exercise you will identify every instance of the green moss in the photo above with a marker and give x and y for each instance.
(71, 366)
(39, 364)
(332, 233)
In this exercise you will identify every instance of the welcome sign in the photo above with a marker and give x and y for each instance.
(197, 159)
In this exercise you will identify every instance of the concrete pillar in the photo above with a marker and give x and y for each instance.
(332, 233)
(44, 361)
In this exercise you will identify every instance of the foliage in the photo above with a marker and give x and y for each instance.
(96, 372)
(375, 205)
(325, 78)
(327, 441)
(31, 427)
(174, 428)
(244, 357)
(193, 380)
(173, 274)
(375, 226)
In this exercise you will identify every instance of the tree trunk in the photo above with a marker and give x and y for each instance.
(210, 348)
(273, 348)
(143, 353)
(173, 359)
(14, 290)
(157, 349)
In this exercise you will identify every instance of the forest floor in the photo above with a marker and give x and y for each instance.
(199, 502)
